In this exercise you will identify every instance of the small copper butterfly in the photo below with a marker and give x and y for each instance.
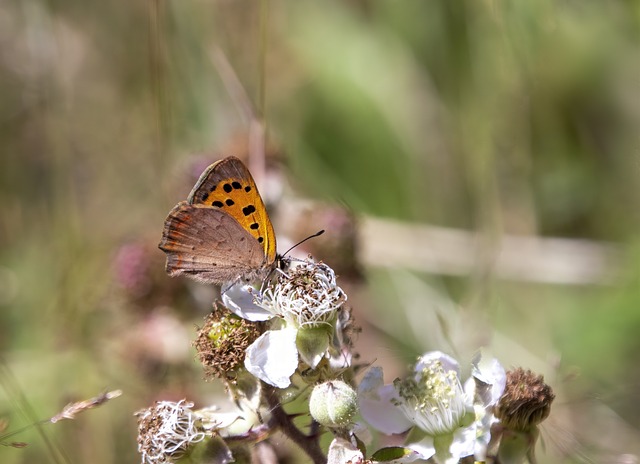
(222, 233)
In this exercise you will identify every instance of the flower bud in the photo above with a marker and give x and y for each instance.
(333, 404)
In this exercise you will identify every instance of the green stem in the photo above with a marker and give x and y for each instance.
(442, 444)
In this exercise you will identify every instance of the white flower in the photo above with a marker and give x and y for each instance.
(306, 300)
(307, 296)
(432, 400)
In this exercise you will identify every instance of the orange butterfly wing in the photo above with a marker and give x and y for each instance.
(223, 232)
(229, 186)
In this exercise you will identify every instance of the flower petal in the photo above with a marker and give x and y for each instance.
(341, 451)
(376, 406)
(425, 447)
(239, 300)
(273, 357)
(448, 363)
(489, 371)
(464, 442)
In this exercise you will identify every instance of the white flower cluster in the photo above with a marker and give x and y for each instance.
(305, 334)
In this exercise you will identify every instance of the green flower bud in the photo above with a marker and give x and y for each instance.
(333, 404)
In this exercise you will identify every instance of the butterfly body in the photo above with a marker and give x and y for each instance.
(222, 233)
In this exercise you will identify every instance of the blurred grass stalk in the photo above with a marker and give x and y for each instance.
(455, 252)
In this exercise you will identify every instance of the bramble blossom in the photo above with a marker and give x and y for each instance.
(431, 402)
(303, 307)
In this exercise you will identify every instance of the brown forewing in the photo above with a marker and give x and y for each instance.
(209, 245)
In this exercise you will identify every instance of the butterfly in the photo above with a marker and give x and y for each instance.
(222, 233)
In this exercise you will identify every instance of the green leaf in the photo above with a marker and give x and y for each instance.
(391, 453)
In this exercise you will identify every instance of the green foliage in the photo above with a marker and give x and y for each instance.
(498, 116)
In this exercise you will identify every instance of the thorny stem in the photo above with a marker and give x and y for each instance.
(279, 418)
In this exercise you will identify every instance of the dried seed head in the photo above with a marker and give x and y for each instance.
(166, 430)
(222, 342)
(526, 400)
(72, 409)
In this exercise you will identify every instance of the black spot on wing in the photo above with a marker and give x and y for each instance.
(227, 188)
(236, 185)
(247, 188)
(254, 226)
(230, 202)
(247, 210)
(217, 204)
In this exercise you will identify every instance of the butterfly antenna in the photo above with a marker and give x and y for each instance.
(317, 234)
(280, 262)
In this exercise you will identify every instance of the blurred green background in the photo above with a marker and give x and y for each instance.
(498, 117)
